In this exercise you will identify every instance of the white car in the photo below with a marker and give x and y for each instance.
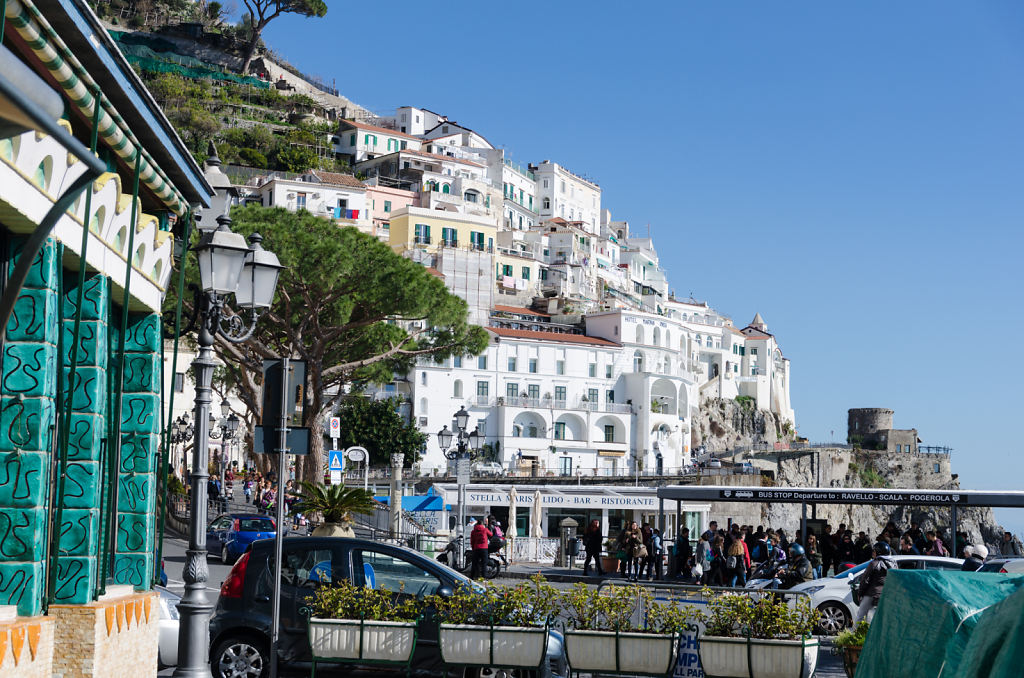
(833, 597)
(1012, 564)
(488, 468)
(167, 647)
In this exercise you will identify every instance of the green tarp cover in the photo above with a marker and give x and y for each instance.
(926, 623)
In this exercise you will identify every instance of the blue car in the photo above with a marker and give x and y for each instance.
(231, 533)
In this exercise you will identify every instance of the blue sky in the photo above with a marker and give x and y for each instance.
(852, 171)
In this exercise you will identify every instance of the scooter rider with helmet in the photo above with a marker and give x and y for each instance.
(799, 570)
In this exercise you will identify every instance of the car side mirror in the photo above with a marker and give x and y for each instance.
(445, 591)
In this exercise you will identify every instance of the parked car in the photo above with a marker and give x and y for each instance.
(833, 597)
(231, 533)
(1004, 564)
(488, 468)
(167, 648)
(240, 626)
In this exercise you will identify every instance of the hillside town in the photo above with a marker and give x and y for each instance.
(595, 366)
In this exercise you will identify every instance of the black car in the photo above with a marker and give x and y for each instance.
(240, 626)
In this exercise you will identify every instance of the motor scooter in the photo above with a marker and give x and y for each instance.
(447, 557)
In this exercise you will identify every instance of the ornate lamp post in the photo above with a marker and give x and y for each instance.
(226, 266)
(182, 432)
(464, 452)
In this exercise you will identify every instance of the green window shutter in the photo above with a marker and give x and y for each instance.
(403, 145)
(526, 272)
(387, 205)
(366, 140)
(352, 140)
(497, 271)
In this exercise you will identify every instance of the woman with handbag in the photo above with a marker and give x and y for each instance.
(636, 552)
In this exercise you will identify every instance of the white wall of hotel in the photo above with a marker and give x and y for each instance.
(559, 405)
(611, 504)
(567, 195)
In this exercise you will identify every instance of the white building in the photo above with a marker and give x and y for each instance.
(568, 196)
(340, 197)
(357, 141)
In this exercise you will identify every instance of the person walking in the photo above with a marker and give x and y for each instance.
(813, 555)
(735, 568)
(935, 545)
(654, 570)
(479, 539)
(1009, 546)
(716, 569)
(872, 581)
(592, 547)
(702, 560)
(683, 553)
(635, 551)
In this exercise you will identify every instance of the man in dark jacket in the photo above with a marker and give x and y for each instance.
(683, 553)
(799, 569)
(871, 582)
(974, 555)
(592, 544)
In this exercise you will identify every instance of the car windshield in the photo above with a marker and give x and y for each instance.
(991, 567)
(255, 525)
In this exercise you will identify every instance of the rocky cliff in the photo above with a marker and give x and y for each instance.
(729, 424)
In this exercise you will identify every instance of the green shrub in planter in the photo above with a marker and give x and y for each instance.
(758, 636)
(622, 629)
(351, 623)
(851, 641)
(497, 626)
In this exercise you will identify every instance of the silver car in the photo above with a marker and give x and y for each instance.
(168, 646)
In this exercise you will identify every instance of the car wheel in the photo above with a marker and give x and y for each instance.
(490, 672)
(240, 657)
(834, 618)
(224, 556)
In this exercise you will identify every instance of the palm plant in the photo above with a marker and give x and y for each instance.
(336, 503)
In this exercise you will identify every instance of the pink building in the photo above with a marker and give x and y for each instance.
(382, 201)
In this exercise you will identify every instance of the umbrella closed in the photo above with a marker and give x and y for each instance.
(511, 527)
(535, 516)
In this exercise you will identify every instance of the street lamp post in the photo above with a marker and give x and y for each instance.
(226, 266)
(465, 450)
(182, 432)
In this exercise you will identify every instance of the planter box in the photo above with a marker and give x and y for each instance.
(610, 564)
(731, 658)
(850, 657)
(373, 641)
(639, 653)
(507, 646)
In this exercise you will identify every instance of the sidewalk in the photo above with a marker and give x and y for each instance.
(562, 574)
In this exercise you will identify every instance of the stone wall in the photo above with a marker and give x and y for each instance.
(117, 637)
(26, 648)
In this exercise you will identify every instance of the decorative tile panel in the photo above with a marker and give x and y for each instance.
(23, 479)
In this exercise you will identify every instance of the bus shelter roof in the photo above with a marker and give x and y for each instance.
(853, 495)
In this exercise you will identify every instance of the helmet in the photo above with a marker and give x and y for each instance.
(981, 551)
(882, 548)
(796, 550)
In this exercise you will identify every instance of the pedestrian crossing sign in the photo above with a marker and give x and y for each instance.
(336, 461)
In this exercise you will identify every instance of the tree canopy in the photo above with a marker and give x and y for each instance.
(262, 12)
(347, 304)
(377, 426)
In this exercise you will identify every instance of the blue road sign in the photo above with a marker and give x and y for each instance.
(336, 460)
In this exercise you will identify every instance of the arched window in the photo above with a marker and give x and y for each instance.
(446, 188)
(668, 339)
(457, 389)
(657, 337)
(697, 339)
(638, 362)
(639, 335)
(708, 344)
(547, 203)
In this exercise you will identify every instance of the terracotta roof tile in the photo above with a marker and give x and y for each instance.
(520, 309)
(551, 336)
(433, 271)
(382, 130)
(337, 179)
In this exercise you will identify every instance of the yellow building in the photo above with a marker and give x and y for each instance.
(418, 228)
